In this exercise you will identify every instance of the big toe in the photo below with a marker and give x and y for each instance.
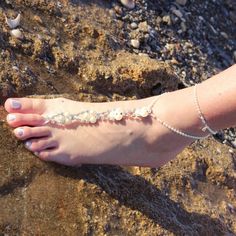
(25, 105)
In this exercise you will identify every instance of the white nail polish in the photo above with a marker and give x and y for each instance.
(36, 153)
(15, 104)
(11, 117)
(20, 132)
(28, 144)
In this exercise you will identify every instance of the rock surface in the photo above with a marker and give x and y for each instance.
(81, 50)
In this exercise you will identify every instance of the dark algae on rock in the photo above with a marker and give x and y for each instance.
(84, 50)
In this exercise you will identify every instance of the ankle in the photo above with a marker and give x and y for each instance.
(178, 109)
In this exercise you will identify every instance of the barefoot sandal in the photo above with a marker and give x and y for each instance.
(118, 114)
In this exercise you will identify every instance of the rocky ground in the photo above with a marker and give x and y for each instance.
(100, 51)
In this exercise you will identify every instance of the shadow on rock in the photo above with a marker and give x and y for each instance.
(139, 194)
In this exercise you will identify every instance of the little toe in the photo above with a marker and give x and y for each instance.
(26, 132)
(25, 105)
(56, 155)
(48, 154)
(38, 145)
(17, 119)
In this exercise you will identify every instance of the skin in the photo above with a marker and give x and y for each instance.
(128, 142)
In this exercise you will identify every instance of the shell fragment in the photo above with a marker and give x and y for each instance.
(13, 23)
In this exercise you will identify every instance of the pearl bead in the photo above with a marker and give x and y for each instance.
(93, 119)
(142, 112)
(116, 114)
(60, 119)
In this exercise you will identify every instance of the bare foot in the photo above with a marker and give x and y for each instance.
(127, 142)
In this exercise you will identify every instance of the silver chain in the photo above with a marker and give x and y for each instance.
(202, 118)
(206, 127)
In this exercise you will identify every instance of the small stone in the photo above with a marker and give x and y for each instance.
(177, 13)
(17, 34)
(118, 10)
(231, 151)
(133, 25)
(183, 27)
(158, 20)
(130, 4)
(38, 19)
(223, 34)
(143, 26)
(15, 68)
(181, 2)
(232, 16)
(234, 55)
(135, 43)
(166, 19)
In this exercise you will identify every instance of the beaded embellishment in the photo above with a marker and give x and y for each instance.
(117, 114)
(92, 117)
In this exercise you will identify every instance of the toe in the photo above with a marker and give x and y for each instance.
(38, 145)
(56, 155)
(25, 105)
(17, 119)
(47, 155)
(26, 132)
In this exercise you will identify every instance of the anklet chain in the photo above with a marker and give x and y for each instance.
(202, 118)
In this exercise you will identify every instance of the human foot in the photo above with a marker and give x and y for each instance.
(127, 142)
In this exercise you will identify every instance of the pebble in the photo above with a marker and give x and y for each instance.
(38, 19)
(223, 34)
(234, 55)
(143, 26)
(177, 13)
(135, 43)
(234, 143)
(183, 27)
(130, 4)
(17, 34)
(231, 151)
(133, 25)
(118, 10)
(181, 2)
(166, 19)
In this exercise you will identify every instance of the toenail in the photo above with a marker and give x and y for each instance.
(11, 117)
(20, 132)
(28, 144)
(36, 153)
(15, 104)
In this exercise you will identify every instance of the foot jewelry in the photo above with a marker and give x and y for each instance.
(118, 114)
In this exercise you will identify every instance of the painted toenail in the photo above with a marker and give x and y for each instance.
(36, 153)
(15, 104)
(20, 132)
(11, 117)
(28, 144)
